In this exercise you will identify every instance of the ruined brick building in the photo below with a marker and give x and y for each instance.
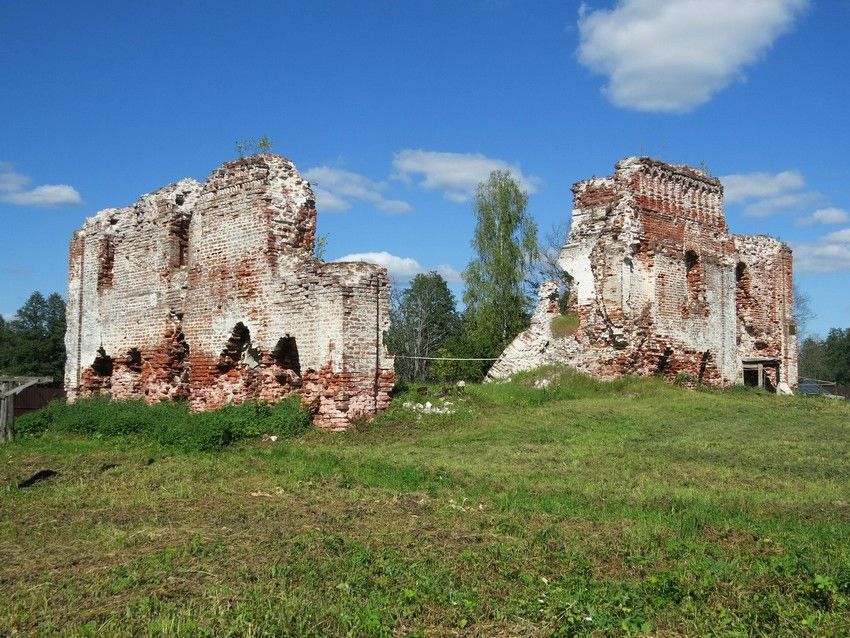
(211, 293)
(661, 287)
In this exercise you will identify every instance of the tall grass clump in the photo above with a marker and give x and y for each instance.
(562, 383)
(167, 423)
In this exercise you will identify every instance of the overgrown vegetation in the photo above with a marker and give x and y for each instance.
(554, 505)
(169, 424)
(251, 146)
(564, 325)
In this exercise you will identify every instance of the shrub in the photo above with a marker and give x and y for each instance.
(683, 378)
(34, 423)
(168, 423)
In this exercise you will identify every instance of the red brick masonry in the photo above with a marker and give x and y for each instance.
(211, 293)
(661, 287)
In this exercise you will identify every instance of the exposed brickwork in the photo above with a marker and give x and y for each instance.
(210, 292)
(661, 287)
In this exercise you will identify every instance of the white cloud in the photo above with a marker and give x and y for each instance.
(830, 215)
(451, 275)
(672, 56)
(782, 203)
(13, 190)
(401, 268)
(766, 194)
(456, 174)
(840, 236)
(744, 186)
(832, 254)
(335, 188)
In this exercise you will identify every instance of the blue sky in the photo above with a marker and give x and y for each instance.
(395, 110)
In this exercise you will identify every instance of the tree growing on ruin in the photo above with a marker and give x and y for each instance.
(423, 318)
(252, 146)
(497, 294)
(549, 268)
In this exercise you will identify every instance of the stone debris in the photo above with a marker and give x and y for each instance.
(211, 293)
(446, 407)
(661, 287)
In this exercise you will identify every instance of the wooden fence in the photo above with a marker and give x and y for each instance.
(34, 398)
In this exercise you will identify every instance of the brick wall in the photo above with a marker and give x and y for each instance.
(655, 283)
(210, 292)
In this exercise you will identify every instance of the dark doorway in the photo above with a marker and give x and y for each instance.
(751, 378)
(286, 354)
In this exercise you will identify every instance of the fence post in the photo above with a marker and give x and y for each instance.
(7, 411)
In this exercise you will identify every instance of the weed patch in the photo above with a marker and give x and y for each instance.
(169, 424)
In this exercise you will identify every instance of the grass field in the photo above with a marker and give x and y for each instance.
(579, 509)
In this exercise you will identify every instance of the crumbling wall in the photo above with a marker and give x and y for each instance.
(124, 283)
(765, 305)
(538, 345)
(654, 281)
(211, 292)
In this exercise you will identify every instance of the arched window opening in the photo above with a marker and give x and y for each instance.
(693, 275)
(134, 360)
(286, 354)
(103, 364)
(238, 349)
(691, 261)
(179, 232)
(106, 263)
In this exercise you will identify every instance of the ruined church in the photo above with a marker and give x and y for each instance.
(660, 287)
(211, 293)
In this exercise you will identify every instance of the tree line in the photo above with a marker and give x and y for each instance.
(32, 343)
(500, 280)
(828, 358)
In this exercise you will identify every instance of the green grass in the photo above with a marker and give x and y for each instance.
(564, 325)
(581, 509)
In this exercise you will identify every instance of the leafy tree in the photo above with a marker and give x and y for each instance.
(33, 343)
(837, 355)
(506, 252)
(264, 144)
(5, 344)
(423, 319)
(826, 359)
(811, 359)
(467, 343)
